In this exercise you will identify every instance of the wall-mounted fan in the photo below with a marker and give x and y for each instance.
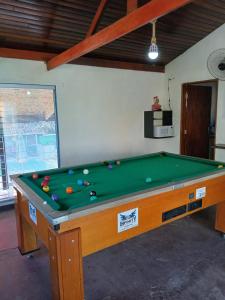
(216, 64)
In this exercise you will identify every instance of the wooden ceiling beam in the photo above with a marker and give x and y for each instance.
(25, 54)
(131, 5)
(87, 61)
(20, 36)
(97, 17)
(115, 64)
(136, 19)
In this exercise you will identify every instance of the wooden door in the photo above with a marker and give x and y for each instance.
(195, 122)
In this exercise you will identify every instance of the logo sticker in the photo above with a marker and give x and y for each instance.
(200, 193)
(127, 219)
(33, 213)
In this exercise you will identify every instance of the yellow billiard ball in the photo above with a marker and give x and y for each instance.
(220, 166)
(46, 188)
(69, 190)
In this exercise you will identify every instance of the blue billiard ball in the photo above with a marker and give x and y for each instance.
(110, 166)
(80, 182)
(55, 197)
(70, 172)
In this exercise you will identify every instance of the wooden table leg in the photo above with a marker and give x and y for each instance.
(220, 217)
(27, 239)
(66, 265)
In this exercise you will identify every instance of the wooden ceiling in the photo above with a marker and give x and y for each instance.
(54, 26)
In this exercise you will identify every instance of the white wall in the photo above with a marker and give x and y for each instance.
(192, 66)
(100, 111)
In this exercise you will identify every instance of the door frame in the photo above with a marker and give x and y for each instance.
(182, 145)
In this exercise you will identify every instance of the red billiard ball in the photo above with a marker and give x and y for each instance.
(69, 190)
(44, 183)
(47, 178)
(35, 176)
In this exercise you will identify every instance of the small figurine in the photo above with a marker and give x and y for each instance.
(156, 105)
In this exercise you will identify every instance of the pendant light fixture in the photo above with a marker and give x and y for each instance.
(153, 49)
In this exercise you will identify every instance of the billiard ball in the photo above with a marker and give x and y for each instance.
(86, 183)
(220, 166)
(46, 188)
(47, 178)
(92, 193)
(44, 183)
(117, 162)
(106, 163)
(80, 182)
(55, 197)
(110, 166)
(148, 179)
(92, 198)
(85, 171)
(70, 172)
(69, 190)
(35, 176)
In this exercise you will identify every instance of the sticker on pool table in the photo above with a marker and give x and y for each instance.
(200, 193)
(127, 219)
(33, 213)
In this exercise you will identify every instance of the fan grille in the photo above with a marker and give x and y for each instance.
(216, 64)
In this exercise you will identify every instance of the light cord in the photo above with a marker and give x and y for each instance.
(153, 40)
(169, 98)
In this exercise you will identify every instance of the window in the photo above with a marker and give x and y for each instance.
(28, 132)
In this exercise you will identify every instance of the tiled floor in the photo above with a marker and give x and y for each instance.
(8, 238)
(181, 261)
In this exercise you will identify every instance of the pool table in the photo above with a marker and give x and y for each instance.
(133, 195)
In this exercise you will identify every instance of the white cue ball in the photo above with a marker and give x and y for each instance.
(85, 171)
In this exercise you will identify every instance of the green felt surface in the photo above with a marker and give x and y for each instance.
(127, 178)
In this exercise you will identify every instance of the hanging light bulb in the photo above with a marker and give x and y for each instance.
(153, 52)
